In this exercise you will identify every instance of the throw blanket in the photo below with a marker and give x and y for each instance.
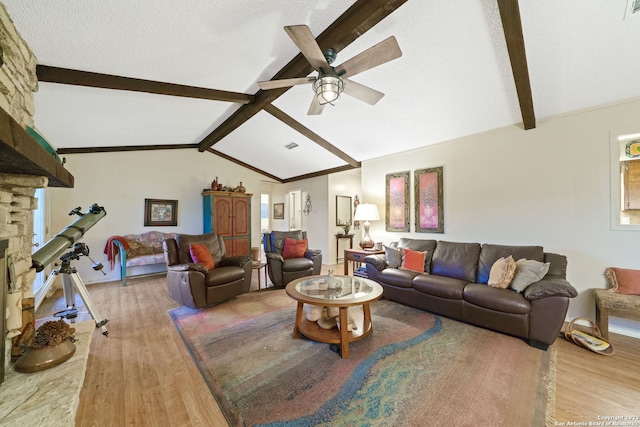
(112, 250)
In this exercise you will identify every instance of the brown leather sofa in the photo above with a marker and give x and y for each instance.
(192, 284)
(282, 271)
(456, 287)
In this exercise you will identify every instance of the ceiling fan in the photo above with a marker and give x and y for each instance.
(332, 81)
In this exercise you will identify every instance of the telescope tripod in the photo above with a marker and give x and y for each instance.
(71, 279)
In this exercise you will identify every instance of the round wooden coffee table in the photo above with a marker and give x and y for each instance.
(349, 292)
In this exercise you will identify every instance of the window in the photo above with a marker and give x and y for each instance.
(625, 179)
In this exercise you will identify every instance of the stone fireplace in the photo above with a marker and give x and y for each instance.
(17, 204)
(18, 81)
(49, 397)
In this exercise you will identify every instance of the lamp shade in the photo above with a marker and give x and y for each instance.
(366, 212)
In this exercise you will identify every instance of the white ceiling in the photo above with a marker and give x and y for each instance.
(454, 78)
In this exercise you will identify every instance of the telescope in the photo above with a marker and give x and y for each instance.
(67, 237)
(55, 248)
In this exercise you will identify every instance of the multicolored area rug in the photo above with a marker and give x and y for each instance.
(415, 369)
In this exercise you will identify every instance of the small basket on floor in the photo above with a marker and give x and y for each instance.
(590, 340)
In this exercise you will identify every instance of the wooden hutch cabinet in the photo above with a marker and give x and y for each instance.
(229, 215)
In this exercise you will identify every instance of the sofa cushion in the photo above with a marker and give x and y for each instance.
(420, 245)
(212, 241)
(145, 260)
(558, 265)
(502, 272)
(624, 280)
(396, 277)
(457, 260)
(528, 271)
(224, 276)
(439, 286)
(294, 248)
(297, 264)
(413, 260)
(490, 254)
(278, 238)
(394, 256)
(200, 254)
(503, 300)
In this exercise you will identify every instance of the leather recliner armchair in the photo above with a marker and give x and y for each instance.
(281, 270)
(192, 284)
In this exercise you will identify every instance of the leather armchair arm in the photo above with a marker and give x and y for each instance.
(234, 261)
(274, 256)
(310, 253)
(379, 261)
(315, 255)
(188, 267)
(552, 286)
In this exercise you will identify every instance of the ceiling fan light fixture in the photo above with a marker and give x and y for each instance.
(328, 89)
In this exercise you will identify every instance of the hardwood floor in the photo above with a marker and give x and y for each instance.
(143, 375)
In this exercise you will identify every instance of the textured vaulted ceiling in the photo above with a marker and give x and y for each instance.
(454, 78)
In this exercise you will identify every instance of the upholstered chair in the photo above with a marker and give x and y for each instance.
(192, 284)
(283, 268)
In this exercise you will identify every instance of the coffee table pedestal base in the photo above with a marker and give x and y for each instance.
(340, 336)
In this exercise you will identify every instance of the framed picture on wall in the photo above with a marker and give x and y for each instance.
(278, 211)
(158, 212)
(429, 200)
(397, 201)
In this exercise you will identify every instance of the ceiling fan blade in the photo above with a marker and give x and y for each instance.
(362, 92)
(315, 108)
(302, 37)
(276, 84)
(385, 51)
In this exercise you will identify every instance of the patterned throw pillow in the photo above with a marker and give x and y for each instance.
(413, 260)
(201, 255)
(294, 248)
(528, 271)
(624, 281)
(502, 272)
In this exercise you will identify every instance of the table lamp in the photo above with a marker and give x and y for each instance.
(366, 212)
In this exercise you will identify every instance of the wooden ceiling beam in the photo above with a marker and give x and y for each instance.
(245, 165)
(291, 122)
(512, 27)
(319, 173)
(115, 149)
(355, 21)
(68, 76)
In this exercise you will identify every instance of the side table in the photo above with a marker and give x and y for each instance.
(258, 266)
(343, 236)
(356, 256)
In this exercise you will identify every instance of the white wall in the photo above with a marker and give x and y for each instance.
(315, 224)
(121, 181)
(548, 186)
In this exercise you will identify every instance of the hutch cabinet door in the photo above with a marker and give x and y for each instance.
(223, 216)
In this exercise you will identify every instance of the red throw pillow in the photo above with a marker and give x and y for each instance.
(200, 254)
(294, 248)
(624, 281)
(413, 260)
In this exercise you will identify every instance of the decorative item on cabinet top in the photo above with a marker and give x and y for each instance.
(216, 185)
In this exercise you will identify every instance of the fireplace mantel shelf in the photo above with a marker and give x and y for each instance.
(20, 154)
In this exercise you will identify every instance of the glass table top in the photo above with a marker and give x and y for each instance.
(335, 287)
